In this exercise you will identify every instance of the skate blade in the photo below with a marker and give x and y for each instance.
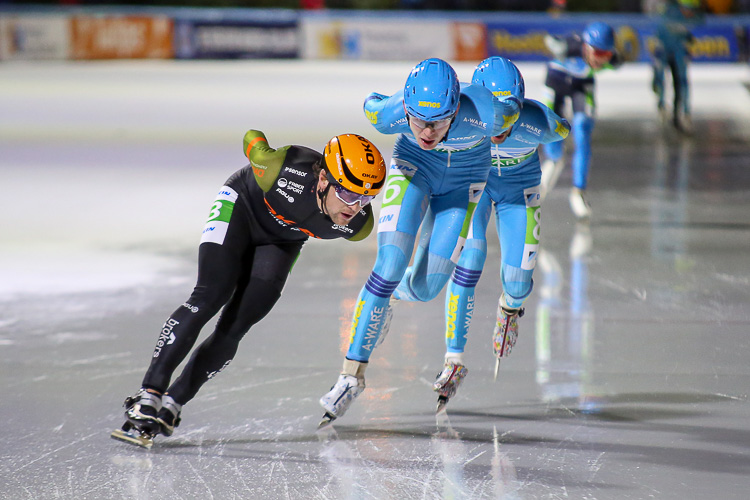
(441, 404)
(133, 437)
(497, 368)
(327, 420)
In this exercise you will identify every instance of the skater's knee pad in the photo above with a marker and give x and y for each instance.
(426, 285)
(473, 254)
(517, 285)
(394, 251)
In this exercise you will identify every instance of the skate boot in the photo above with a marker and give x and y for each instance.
(141, 426)
(141, 410)
(663, 115)
(350, 384)
(506, 332)
(169, 415)
(683, 122)
(578, 204)
(447, 381)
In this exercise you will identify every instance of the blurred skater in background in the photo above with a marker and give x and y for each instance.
(571, 77)
(673, 36)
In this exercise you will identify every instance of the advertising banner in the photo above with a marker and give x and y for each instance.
(377, 40)
(470, 41)
(121, 37)
(34, 37)
(525, 41)
(715, 44)
(236, 40)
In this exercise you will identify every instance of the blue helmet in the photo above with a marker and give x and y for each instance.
(502, 77)
(432, 90)
(600, 36)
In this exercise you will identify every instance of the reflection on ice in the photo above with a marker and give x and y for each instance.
(377, 464)
(565, 327)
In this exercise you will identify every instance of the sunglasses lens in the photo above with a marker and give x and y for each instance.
(419, 123)
(351, 198)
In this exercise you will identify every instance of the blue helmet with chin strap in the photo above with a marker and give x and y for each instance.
(599, 35)
(432, 90)
(501, 77)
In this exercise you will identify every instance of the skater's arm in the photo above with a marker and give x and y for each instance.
(505, 112)
(366, 229)
(265, 160)
(555, 128)
(385, 113)
(556, 46)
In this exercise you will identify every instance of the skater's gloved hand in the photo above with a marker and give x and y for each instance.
(252, 139)
(372, 106)
(556, 45)
(375, 96)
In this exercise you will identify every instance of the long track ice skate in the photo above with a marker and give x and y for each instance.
(326, 420)
(505, 334)
(447, 382)
(130, 434)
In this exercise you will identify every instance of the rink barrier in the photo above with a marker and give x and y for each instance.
(79, 33)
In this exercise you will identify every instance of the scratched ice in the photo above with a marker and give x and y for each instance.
(629, 378)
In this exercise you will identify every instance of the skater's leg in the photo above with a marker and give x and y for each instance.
(430, 273)
(459, 297)
(518, 219)
(256, 294)
(657, 83)
(583, 127)
(518, 222)
(220, 263)
(682, 119)
(401, 215)
(459, 302)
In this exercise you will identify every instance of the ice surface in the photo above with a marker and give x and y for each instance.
(629, 379)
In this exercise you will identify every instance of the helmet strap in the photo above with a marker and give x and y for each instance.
(445, 135)
(322, 195)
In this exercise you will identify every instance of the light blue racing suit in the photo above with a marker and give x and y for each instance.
(513, 191)
(449, 180)
(570, 77)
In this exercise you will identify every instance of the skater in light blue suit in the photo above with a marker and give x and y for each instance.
(512, 192)
(440, 161)
(571, 76)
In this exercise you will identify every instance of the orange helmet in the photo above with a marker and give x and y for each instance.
(355, 163)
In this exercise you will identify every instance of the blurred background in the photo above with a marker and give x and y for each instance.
(406, 30)
(714, 6)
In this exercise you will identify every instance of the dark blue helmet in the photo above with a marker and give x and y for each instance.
(500, 76)
(599, 35)
(432, 90)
